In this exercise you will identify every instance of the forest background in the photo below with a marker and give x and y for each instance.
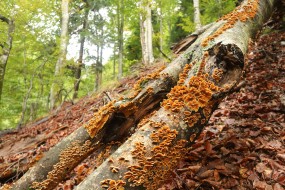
(109, 29)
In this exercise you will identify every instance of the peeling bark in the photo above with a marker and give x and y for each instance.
(147, 100)
(210, 72)
(147, 158)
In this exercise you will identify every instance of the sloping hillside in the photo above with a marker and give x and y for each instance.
(243, 146)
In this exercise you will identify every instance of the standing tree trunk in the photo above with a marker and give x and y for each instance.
(99, 58)
(160, 28)
(210, 72)
(79, 65)
(6, 48)
(146, 32)
(114, 61)
(57, 85)
(120, 26)
(197, 14)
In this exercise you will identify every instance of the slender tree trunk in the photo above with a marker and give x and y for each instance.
(26, 98)
(57, 84)
(146, 32)
(160, 29)
(80, 59)
(114, 62)
(99, 59)
(120, 16)
(197, 14)
(98, 70)
(209, 71)
(6, 48)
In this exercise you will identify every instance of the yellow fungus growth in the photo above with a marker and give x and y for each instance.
(152, 168)
(128, 108)
(68, 158)
(203, 63)
(184, 74)
(208, 109)
(192, 119)
(114, 169)
(105, 154)
(217, 74)
(140, 83)
(5, 187)
(192, 137)
(192, 97)
(111, 184)
(187, 99)
(241, 13)
(99, 119)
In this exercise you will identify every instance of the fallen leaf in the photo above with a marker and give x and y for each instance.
(277, 186)
(208, 147)
(262, 185)
(243, 172)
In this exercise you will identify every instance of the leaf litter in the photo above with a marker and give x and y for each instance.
(242, 147)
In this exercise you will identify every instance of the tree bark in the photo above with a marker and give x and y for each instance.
(216, 67)
(197, 14)
(146, 32)
(79, 66)
(119, 122)
(99, 57)
(147, 158)
(6, 48)
(57, 84)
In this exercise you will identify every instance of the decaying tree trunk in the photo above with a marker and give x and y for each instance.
(210, 68)
(149, 92)
(147, 158)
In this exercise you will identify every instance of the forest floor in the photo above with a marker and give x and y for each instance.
(242, 147)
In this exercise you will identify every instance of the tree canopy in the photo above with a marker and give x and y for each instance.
(30, 69)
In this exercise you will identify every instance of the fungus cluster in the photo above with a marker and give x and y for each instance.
(217, 74)
(184, 74)
(5, 187)
(99, 119)
(68, 158)
(241, 13)
(195, 95)
(187, 98)
(111, 184)
(128, 108)
(153, 166)
(114, 169)
(140, 83)
(203, 63)
(104, 155)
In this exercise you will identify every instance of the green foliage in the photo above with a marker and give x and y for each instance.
(30, 67)
(211, 10)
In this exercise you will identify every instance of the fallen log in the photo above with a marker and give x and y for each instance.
(147, 158)
(112, 122)
(223, 63)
